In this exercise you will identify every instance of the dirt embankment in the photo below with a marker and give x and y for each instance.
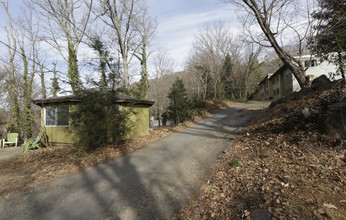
(287, 162)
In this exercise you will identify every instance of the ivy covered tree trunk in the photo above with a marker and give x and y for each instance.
(55, 85)
(341, 63)
(16, 125)
(73, 74)
(143, 85)
(16, 122)
(103, 75)
(43, 84)
(68, 20)
(27, 96)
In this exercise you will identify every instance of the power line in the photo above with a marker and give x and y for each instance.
(49, 70)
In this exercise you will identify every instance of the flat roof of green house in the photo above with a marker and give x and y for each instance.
(76, 98)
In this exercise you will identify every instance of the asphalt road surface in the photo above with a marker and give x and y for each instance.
(150, 183)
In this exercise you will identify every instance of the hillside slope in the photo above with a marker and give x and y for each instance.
(288, 162)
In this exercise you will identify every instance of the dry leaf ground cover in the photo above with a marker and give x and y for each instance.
(284, 162)
(40, 167)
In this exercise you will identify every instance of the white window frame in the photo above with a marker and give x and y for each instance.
(314, 63)
(56, 116)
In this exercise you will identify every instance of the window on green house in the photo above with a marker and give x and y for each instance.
(57, 115)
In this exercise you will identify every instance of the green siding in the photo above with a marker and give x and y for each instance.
(141, 121)
(59, 135)
(64, 135)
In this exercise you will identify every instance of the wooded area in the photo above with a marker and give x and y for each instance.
(64, 47)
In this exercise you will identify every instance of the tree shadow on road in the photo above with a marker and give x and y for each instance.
(136, 186)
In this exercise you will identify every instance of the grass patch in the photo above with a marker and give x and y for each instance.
(234, 163)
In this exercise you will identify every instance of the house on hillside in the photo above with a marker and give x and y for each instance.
(55, 118)
(264, 89)
(283, 82)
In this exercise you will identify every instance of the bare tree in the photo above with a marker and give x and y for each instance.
(29, 43)
(120, 15)
(43, 82)
(146, 27)
(11, 79)
(279, 20)
(198, 68)
(29, 26)
(160, 83)
(67, 22)
(252, 71)
(207, 55)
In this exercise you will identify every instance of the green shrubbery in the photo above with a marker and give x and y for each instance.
(179, 106)
(98, 121)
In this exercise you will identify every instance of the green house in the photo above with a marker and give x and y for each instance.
(56, 121)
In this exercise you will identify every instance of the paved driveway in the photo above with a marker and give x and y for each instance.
(150, 183)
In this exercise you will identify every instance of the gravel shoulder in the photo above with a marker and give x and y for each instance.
(150, 183)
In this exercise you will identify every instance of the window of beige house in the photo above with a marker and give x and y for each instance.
(310, 63)
(313, 62)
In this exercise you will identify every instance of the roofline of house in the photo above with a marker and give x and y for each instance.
(75, 98)
(270, 76)
(265, 78)
(282, 68)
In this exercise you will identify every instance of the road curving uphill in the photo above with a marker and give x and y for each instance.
(150, 183)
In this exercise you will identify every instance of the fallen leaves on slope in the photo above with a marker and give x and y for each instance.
(290, 166)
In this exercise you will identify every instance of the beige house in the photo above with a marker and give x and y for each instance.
(282, 83)
(264, 90)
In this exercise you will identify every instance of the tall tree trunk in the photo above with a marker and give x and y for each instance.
(143, 83)
(126, 72)
(288, 60)
(62, 16)
(27, 96)
(73, 68)
(341, 66)
(43, 84)
(158, 113)
(55, 85)
(11, 82)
